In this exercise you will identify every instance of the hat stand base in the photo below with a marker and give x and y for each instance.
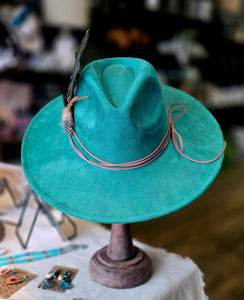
(120, 265)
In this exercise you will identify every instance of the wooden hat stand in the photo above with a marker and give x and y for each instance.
(120, 264)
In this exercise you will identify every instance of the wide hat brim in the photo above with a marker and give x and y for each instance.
(72, 185)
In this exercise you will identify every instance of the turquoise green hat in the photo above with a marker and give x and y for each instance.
(123, 119)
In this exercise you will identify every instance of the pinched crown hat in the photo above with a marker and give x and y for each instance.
(130, 151)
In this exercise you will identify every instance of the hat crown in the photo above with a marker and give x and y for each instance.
(124, 118)
(115, 85)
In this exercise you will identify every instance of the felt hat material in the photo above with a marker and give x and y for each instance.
(123, 119)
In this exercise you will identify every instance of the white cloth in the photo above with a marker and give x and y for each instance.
(173, 278)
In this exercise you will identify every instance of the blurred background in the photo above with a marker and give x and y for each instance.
(196, 46)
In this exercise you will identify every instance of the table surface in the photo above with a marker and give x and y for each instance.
(173, 278)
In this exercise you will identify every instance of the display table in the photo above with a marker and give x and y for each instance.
(173, 278)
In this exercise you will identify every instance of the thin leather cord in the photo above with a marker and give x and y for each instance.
(175, 133)
(171, 131)
(122, 166)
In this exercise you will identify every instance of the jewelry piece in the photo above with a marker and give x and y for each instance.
(49, 275)
(4, 271)
(47, 284)
(55, 275)
(13, 280)
(60, 277)
(67, 277)
(64, 285)
(37, 255)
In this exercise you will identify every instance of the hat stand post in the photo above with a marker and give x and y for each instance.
(120, 264)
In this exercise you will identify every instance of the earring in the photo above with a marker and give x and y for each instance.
(60, 277)
(67, 277)
(52, 275)
(47, 284)
(49, 275)
(64, 285)
(4, 271)
(13, 280)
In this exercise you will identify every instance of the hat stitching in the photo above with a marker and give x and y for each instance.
(58, 206)
(153, 212)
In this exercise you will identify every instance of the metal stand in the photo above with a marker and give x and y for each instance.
(5, 184)
(42, 207)
(120, 264)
